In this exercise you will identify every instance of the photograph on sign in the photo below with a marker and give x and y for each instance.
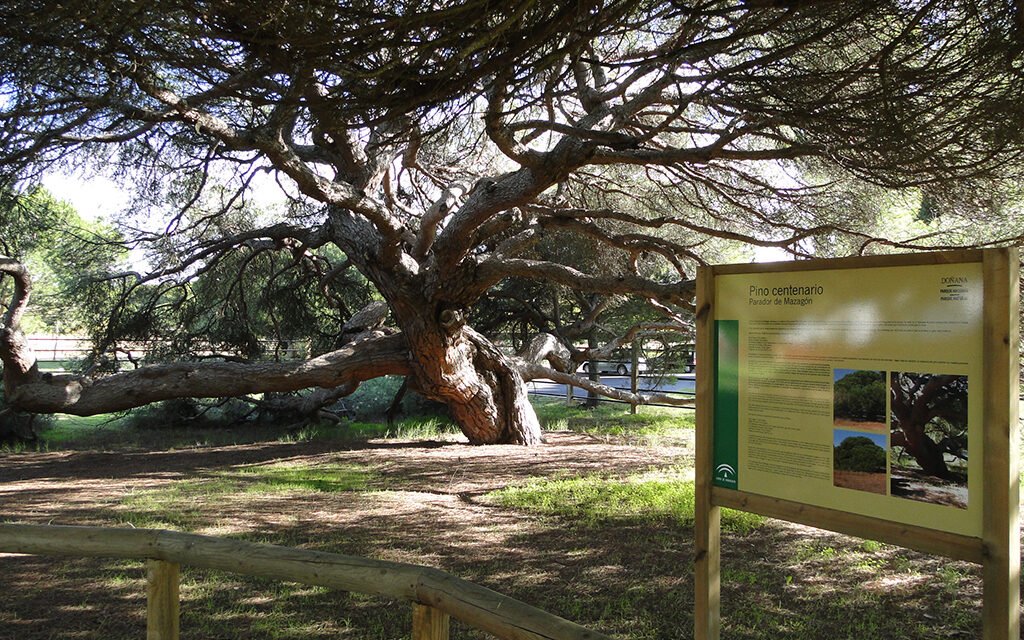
(848, 389)
(929, 438)
(859, 461)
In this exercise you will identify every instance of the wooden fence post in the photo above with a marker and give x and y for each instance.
(634, 374)
(428, 623)
(162, 602)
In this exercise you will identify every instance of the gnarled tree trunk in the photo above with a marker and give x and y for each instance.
(442, 358)
(912, 409)
(482, 386)
(447, 361)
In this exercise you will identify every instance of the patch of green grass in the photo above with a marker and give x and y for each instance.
(870, 563)
(595, 500)
(411, 428)
(415, 428)
(327, 478)
(744, 576)
(871, 546)
(408, 428)
(181, 504)
(950, 576)
(55, 432)
(22, 447)
(118, 432)
(225, 605)
(68, 430)
(650, 425)
(813, 550)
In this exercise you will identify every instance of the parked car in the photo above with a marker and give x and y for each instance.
(618, 367)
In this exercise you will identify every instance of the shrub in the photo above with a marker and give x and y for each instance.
(859, 453)
(370, 402)
(861, 396)
(19, 427)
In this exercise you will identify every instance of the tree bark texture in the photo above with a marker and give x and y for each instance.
(482, 387)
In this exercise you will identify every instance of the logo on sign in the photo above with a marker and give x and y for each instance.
(953, 288)
(725, 473)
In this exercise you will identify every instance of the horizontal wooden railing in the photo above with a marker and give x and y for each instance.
(434, 594)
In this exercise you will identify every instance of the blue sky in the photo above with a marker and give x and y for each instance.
(881, 439)
(839, 374)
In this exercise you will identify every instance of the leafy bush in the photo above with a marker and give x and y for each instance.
(859, 453)
(371, 401)
(193, 412)
(861, 396)
(17, 427)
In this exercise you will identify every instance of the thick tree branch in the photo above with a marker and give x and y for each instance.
(541, 372)
(493, 270)
(272, 142)
(22, 291)
(701, 155)
(500, 133)
(363, 360)
(207, 253)
(19, 361)
(545, 347)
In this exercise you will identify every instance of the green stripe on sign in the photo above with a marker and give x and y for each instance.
(727, 404)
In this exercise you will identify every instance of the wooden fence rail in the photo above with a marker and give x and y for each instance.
(435, 595)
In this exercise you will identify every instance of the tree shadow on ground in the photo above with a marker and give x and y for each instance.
(623, 577)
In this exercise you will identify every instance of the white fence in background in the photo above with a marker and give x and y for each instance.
(55, 352)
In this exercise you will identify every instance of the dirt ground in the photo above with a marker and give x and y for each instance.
(72, 487)
(914, 485)
(430, 513)
(861, 481)
(628, 580)
(873, 427)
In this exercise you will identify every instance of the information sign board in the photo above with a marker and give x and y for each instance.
(873, 396)
(854, 389)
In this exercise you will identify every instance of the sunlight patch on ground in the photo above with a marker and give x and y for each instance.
(893, 583)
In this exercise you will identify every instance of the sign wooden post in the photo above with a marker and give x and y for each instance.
(1001, 520)
(808, 409)
(708, 516)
